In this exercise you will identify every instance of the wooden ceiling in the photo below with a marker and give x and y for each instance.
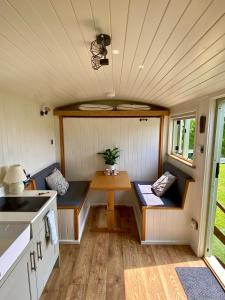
(44, 49)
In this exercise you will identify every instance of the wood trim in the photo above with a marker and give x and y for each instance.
(220, 206)
(143, 224)
(210, 262)
(62, 147)
(76, 227)
(219, 234)
(164, 207)
(185, 191)
(221, 262)
(182, 160)
(112, 113)
(30, 185)
(161, 133)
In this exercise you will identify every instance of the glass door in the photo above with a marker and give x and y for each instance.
(215, 245)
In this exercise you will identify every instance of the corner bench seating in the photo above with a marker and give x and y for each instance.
(73, 199)
(174, 197)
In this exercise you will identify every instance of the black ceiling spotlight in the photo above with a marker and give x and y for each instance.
(99, 51)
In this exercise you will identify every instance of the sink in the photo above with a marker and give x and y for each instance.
(14, 238)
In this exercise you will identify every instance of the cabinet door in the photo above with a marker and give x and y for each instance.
(47, 255)
(19, 283)
(32, 269)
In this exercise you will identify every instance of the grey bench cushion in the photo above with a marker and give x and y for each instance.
(76, 193)
(150, 199)
(172, 197)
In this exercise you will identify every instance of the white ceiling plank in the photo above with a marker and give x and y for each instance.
(119, 19)
(199, 85)
(68, 20)
(45, 49)
(89, 28)
(58, 36)
(211, 63)
(187, 21)
(192, 45)
(135, 19)
(204, 90)
(210, 72)
(179, 74)
(101, 16)
(155, 13)
(170, 21)
(34, 37)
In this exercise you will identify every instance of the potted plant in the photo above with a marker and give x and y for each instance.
(110, 156)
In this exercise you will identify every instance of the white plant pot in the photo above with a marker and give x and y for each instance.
(111, 167)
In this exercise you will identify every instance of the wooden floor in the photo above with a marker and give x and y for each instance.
(115, 266)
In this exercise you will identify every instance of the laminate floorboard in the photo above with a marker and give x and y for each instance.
(114, 266)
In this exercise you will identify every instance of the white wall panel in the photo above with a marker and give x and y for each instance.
(25, 136)
(199, 190)
(138, 141)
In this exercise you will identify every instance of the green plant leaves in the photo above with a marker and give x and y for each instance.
(110, 155)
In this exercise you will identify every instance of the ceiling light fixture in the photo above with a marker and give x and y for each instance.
(99, 51)
(141, 67)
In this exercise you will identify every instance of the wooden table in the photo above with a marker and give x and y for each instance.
(110, 184)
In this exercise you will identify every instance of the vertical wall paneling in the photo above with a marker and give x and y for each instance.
(25, 136)
(138, 141)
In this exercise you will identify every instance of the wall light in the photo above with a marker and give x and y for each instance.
(44, 110)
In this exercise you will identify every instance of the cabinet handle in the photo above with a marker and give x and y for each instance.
(39, 250)
(32, 261)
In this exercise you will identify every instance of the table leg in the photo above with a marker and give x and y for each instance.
(110, 210)
(110, 216)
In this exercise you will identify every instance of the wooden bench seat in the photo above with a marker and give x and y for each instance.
(75, 196)
(173, 199)
(73, 201)
(148, 198)
(174, 196)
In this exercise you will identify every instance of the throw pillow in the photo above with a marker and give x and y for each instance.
(163, 184)
(57, 182)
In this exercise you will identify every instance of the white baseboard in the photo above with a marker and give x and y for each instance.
(164, 242)
(76, 242)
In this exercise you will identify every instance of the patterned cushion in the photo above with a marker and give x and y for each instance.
(57, 182)
(163, 184)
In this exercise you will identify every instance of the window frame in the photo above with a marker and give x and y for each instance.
(171, 153)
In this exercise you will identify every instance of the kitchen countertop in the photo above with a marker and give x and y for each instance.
(27, 217)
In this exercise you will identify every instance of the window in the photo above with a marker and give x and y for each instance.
(184, 138)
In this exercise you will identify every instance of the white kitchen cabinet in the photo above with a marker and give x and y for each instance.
(19, 283)
(28, 276)
(47, 254)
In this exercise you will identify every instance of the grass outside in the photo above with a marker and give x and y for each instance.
(218, 246)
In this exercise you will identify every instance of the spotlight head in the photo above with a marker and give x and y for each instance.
(103, 39)
(104, 62)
